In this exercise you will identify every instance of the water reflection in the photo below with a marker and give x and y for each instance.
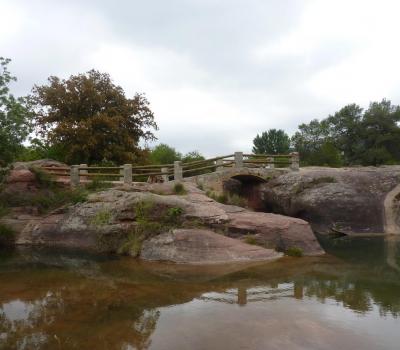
(119, 304)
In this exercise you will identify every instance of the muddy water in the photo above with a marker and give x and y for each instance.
(349, 299)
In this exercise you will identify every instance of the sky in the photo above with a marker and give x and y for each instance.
(216, 72)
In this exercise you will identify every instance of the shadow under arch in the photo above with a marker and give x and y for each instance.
(246, 186)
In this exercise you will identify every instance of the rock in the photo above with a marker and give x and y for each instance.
(105, 220)
(277, 231)
(38, 163)
(345, 199)
(22, 175)
(196, 246)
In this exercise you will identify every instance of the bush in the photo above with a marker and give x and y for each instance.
(179, 189)
(294, 251)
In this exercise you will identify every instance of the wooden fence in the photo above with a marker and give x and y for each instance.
(127, 173)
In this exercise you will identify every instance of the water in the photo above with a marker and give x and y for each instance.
(349, 299)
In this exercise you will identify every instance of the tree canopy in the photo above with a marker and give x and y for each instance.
(272, 141)
(90, 120)
(14, 122)
(352, 136)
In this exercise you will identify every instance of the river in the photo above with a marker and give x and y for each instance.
(347, 299)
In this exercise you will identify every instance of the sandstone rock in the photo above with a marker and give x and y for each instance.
(22, 175)
(38, 163)
(277, 231)
(345, 199)
(197, 246)
(110, 215)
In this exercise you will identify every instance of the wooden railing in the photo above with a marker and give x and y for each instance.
(166, 172)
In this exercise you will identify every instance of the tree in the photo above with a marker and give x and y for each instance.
(14, 122)
(164, 154)
(192, 157)
(271, 142)
(90, 119)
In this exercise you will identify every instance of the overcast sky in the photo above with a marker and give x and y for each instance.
(215, 72)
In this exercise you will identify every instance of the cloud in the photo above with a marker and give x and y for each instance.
(216, 72)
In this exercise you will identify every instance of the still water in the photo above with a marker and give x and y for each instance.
(348, 299)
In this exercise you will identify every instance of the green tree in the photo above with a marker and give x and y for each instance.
(192, 157)
(14, 118)
(89, 119)
(164, 154)
(271, 142)
(381, 134)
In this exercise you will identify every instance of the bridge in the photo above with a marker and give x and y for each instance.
(213, 172)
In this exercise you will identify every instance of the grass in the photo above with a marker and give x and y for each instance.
(101, 218)
(250, 240)
(294, 251)
(179, 189)
(151, 220)
(132, 245)
(231, 199)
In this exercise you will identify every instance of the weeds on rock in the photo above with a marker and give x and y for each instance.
(250, 240)
(233, 199)
(294, 251)
(179, 189)
(101, 218)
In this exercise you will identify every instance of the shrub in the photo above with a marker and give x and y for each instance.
(294, 251)
(173, 215)
(132, 245)
(179, 189)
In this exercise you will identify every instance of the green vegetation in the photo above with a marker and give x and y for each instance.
(294, 251)
(250, 240)
(352, 136)
(179, 189)
(132, 245)
(15, 125)
(164, 154)
(151, 220)
(101, 218)
(271, 142)
(224, 198)
(97, 184)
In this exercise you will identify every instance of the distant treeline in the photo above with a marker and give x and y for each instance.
(351, 136)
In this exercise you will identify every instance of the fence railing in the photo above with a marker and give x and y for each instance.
(128, 173)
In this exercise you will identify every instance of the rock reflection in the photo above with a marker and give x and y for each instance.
(118, 304)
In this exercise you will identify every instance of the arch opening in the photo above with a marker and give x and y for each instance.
(246, 187)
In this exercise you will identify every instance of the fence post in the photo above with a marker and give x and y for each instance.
(220, 165)
(238, 159)
(74, 176)
(121, 172)
(270, 162)
(127, 174)
(178, 176)
(295, 161)
(83, 172)
(164, 177)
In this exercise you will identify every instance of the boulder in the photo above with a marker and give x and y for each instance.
(348, 200)
(199, 246)
(22, 175)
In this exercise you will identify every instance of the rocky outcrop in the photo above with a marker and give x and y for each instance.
(199, 246)
(109, 218)
(349, 200)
